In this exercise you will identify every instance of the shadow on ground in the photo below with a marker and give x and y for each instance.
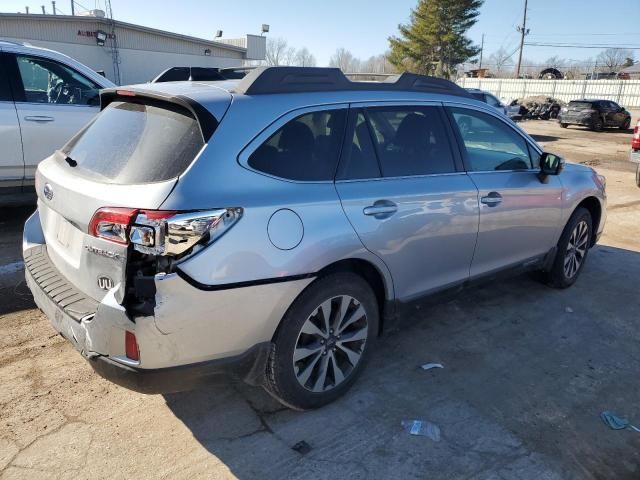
(545, 138)
(527, 371)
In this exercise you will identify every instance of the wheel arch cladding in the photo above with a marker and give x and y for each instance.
(592, 204)
(368, 272)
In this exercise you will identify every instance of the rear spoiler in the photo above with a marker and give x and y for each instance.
(206, 121)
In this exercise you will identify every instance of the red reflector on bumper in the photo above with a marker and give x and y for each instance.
(131, 346)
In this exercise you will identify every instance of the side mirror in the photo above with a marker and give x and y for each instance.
(550, 164)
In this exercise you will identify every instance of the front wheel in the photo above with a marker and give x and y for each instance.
(572, 251)
(626, 124)
(564, 125)
(323, 342)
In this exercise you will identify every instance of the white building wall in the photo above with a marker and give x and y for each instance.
(136, 66)
(143, 52)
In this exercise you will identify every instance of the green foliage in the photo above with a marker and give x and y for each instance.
(434, 41)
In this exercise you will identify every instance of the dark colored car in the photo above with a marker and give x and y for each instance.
(201, 74)
(595, 114)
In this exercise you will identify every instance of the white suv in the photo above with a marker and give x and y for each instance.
(45, 98)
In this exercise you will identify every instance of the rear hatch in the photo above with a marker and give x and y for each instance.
(579, 108)
(130, 156)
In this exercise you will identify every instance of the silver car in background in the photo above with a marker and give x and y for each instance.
(272, 228)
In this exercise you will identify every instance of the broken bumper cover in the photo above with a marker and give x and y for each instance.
(193, 334)
(88, 333)
(246, 367)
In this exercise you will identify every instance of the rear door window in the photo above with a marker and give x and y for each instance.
(411, 140)
(131, 143)
(306, 148)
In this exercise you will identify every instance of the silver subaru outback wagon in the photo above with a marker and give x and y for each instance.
(272, 228)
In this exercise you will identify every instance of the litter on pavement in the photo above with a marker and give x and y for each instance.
(422, 428)
(429, 366)
(568, 310)
(302, 447)
(615, 422)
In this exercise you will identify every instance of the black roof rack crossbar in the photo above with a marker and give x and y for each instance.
(266, 80)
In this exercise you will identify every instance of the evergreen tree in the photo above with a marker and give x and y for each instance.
(434, 41)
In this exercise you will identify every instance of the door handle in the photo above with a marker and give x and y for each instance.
(39, 118)
(381, 209)
(492, 200)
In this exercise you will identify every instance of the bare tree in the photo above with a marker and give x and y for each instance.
(501, 61)
(279, 52)
(556, 62)
(344, 60)
(376, 64)
(304, 58)
(612, 59)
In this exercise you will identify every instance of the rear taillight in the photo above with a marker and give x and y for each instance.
(161, 232)
(112, 224)
(635, 141)
(131, 346)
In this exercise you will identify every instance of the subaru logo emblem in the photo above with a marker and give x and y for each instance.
(48, 191)
(105, 283)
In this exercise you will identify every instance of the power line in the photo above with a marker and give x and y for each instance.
(569, 45)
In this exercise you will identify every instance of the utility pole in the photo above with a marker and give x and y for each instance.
(43, 10)
(53, 6)
(481, 51)
(73, 8)
(523, 32)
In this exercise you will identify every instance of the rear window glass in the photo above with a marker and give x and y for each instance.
(130, 143)
(580, 105)
(307, 148)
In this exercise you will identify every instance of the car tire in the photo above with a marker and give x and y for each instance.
(626, 124)
(564, 125)
(597, 125)
(303, 380)
(572, 250)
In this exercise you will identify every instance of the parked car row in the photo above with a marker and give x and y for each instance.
(349, 203)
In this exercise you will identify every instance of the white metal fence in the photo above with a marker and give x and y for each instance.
(624, 92)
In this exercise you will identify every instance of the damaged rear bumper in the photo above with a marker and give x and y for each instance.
(191, 335)
(247, 367)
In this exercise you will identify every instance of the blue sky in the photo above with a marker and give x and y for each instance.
(363, 26)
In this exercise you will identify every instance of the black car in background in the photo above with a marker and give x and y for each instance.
(595, 114)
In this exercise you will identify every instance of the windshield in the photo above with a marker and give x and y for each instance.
(130, 143)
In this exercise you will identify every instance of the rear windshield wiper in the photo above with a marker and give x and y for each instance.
(70, 161)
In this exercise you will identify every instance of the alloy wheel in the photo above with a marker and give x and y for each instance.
(330, 343)
(576, 249)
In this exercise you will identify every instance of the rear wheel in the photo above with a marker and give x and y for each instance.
(597, 125)
(626, 124)
(564, 125)
(573, 248)
(323, 341)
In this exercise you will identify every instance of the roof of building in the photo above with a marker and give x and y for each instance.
(635, 68)
(120, 24)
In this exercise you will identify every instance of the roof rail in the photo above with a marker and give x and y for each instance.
(266, 80)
